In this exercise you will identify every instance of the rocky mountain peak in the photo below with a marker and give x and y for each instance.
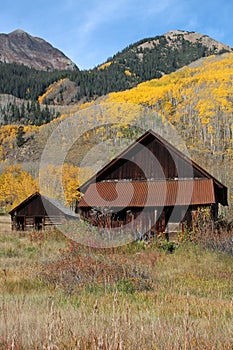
(195, 37)
(22, 48)
(174, 39)
(18, 32)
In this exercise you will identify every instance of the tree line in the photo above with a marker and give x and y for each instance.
(28, 112)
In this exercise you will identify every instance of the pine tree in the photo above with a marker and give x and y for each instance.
(20, 140)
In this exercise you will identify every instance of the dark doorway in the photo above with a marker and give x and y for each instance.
(38, 222)
(20, 223)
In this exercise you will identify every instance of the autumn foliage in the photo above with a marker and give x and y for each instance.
(16, 185)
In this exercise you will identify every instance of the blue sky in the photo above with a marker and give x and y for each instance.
(90, 31)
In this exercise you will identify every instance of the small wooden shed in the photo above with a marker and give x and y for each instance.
(38, 212)
(153, 181)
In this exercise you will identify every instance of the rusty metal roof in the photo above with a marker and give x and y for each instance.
(149, 193)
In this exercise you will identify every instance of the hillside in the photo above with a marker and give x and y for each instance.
(141, 61)
(153, 57)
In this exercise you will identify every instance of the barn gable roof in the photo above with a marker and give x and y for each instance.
(55, 203)
(148, 135)
(25, 202)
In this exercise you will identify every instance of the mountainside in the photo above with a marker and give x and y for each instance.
(142, 61)
(154, 57)
(21, 48)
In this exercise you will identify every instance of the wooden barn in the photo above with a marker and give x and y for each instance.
(150, 187)
(39, 212)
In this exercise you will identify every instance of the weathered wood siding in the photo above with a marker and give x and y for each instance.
(151, 160)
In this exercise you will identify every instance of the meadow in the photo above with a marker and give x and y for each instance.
(56, 294)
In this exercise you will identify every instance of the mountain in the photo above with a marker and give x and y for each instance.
(144, 60)
(153, 57)
(21, 48)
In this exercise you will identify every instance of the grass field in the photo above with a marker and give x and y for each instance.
(59, 295)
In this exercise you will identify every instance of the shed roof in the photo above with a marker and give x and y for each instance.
(149, 193)
(65, 210)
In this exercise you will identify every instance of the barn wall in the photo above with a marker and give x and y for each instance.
(28, 223)
(152, 160)
(26, 216)
(32, 208)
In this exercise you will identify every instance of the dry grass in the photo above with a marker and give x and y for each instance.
(58, 295)
(5, 224)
